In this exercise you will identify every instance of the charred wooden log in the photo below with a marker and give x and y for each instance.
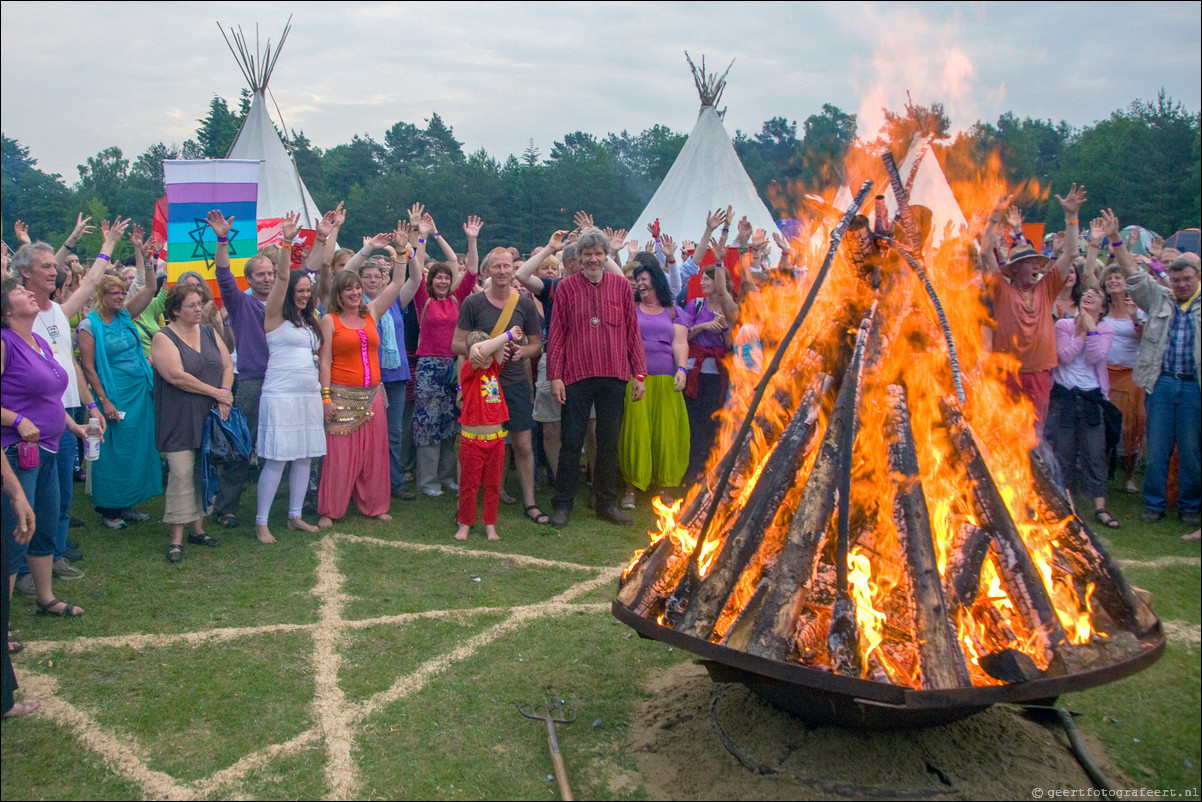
(941, 662)
(1018, 571)
(743, 539)
(965, 560)
(910, 236)
(1112, 591)
(773, 632)
(653, 578)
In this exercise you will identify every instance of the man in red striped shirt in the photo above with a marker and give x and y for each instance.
(594, 349)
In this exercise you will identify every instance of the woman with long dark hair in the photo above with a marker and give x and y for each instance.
(291, 428)
(653, 446)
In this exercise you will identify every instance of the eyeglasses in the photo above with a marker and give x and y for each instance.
(196, 305)
(117, 292)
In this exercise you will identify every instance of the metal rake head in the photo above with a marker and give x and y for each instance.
(558, 713)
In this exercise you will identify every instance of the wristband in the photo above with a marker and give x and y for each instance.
(286, 243)
(421, 241)
(1091, 334)
(320, 239)
(17, 420)
(1073, 222)
(509, 334)
(437, 235)
(670, 261)
(682, 368)
(92, 405)
(223, 240)
(105, 257)
(641, 376)
(725, 230)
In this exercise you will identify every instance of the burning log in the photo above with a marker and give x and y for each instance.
(940, 660)
(911, 238)
(964, 563)
(744, 538)
(774, 629)
(657, 572)
(1112, 591)
(1019, 573)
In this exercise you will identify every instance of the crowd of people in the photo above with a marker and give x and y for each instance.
(364, 373)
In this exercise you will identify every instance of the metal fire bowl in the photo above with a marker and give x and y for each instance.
(822, 697)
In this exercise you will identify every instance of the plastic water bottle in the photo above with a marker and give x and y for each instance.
(92, 443)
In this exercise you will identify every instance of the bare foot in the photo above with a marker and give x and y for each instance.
(1194, 535)
(491, 532)
(324, 522)
(299, 523)
(461, 533)
(383, 517)
(23, 709)
(263, 533)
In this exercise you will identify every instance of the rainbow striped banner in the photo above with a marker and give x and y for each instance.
(196, 186)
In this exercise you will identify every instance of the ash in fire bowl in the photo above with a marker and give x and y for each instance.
(1000, 754)
(857, 538)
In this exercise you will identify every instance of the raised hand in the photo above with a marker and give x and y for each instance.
(22, 231)
(325, 225)
(1016, 218)
(426, 227)
(1132, 238)
(556, 242)
(667, 244)
(221, 227)
(379, 241)
(715, 219)
(781, 242)
(290, 226)
(472, 227)
(616, 238)
(115, 231)
(632, 248)
(400, 237)
(136, 234)
(415, 214)
(339, 215)
(1110, 225)
(744, 230)
(82, 226)
(759, 239)
(687, 246)
(582, 220)
(1096, 232)
(1072, 203)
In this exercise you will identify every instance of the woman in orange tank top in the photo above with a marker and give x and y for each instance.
(356, 463)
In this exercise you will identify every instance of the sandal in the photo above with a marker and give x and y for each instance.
(14, 645)
(1104, 517)
(226, 519)
(540, 518)
(68, 610)
(204, 540)
(175, 553)
(508, 499)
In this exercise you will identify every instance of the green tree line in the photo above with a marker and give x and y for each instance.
(1143, 161)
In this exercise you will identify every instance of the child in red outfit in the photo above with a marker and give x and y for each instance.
(481, 429)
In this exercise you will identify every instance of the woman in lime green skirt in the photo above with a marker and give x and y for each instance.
(653, 446)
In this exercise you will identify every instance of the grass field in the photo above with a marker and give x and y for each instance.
(383, 661)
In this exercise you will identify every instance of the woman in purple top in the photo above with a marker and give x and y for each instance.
(653, 445)
(709, 321)
(33, 384)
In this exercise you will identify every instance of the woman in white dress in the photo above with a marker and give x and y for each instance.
(291, 424)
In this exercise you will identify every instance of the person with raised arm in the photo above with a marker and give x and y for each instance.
(437, 304)
(246, 318)
(1022, 307)
(1168, 366)
(356, 463)
(595, 349)
(291, 425)
(1128, 323)
(128, 470)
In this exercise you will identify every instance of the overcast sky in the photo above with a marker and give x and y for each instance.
(79, 77)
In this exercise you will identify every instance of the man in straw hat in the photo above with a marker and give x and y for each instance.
(1022, 307)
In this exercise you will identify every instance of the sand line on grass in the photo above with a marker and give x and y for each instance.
(1161, 562)
(558, 605)
(123, 754)
(329, 702)
(1183, 632)
(460, 551)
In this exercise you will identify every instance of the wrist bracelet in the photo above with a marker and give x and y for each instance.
(1072, 222)
(105, 257)
(92, 405)
(509, 334)
(421, 241)
(680, 368)
(17, 420)
(1090, 333)
(671, 261)
(320, 239)
(641, 376)
(222, 240)
(437, 235)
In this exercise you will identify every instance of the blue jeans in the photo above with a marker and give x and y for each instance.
(396, 423)
(68, 444)
(41, 490)
(1174, 418)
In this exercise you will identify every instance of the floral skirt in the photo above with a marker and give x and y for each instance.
(435, 417)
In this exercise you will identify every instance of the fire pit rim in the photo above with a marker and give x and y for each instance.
(1153, 643)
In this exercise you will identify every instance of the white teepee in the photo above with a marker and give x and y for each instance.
(281, 189)
(706, 175)
(927, 186)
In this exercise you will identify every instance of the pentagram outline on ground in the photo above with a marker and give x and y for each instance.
(336, 717)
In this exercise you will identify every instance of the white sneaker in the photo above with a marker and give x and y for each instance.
(62, 569)
(432, 493)
(452, 486)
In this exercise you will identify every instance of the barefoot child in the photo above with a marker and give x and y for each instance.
(481, 432)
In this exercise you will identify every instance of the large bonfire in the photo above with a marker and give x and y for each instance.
(873, 508)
